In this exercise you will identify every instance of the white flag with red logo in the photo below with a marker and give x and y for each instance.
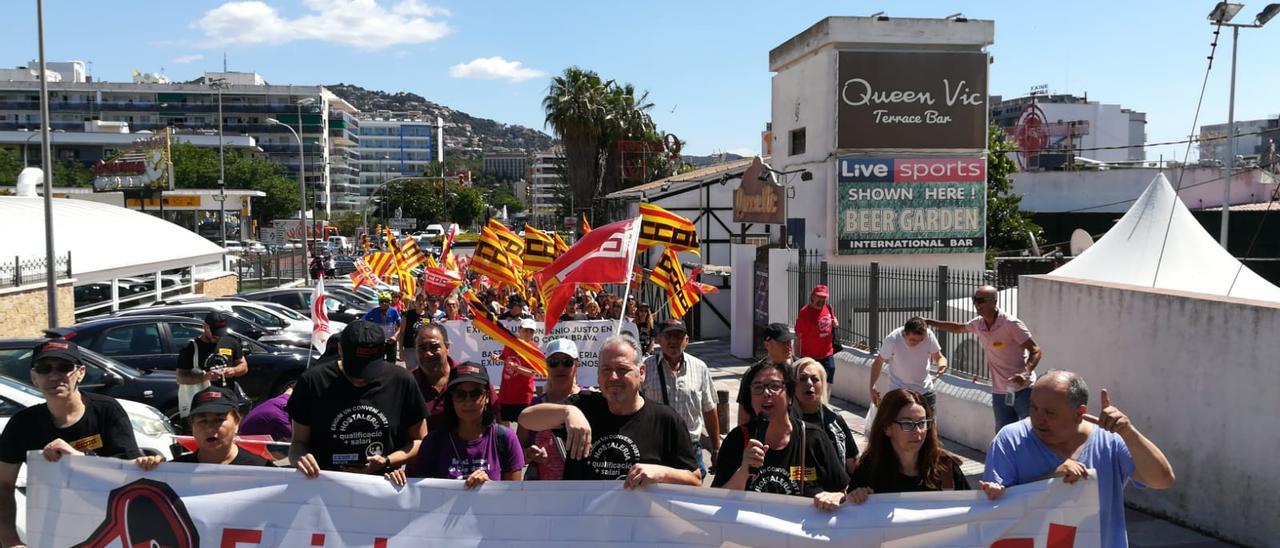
(319, 318)
(603, 256)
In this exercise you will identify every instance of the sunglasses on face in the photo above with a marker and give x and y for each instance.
(912, 426)
(772, 388)
(62, 367)
(564, 362)
(467, 395)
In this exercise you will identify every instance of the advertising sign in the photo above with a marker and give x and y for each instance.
(924, 100)
(145, 165)
(759, 198)
(902, 205)
(402, 223)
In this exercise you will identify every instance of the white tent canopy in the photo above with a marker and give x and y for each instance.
(105, 241)
(1136, 251)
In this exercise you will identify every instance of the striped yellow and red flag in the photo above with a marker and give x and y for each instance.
(584, 227)
(696, 287)
(510, 242)
(661, 227)
(561, 246)
(363, 275)
(382, 263)
(490, 259)
(539, 250)
(411, 255)
(431, 262)
(408, 285)
(669, 275)
(484, 320)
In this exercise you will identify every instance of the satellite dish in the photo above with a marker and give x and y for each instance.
(1080, 241)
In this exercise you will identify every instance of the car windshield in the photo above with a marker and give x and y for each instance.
(19, 386)
(261, 317)
(283, 310)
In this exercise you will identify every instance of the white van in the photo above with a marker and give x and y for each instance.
(338, 244)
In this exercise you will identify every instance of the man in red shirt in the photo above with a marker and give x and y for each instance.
(516, 391)
(816, 325)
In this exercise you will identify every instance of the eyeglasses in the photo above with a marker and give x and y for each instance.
(44, 368)
(912, 426)
(553, 364)
(467, 395)
(772, 388)
(980, 300)
(811, 379)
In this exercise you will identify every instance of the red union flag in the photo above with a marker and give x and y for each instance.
(603, 256)
(319, 318)
(440, 282)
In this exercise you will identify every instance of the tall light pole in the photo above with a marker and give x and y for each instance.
(1221, 14)
(302, 201)
(220, 84)
(46, 163)
(301, 163)
(27, 145)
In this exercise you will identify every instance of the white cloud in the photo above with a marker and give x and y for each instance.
(364, 24)
(494, 68)
(188, 59)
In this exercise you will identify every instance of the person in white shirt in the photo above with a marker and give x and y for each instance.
(909, 350)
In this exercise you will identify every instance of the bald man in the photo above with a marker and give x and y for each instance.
(1012, 355)
(1061, 439)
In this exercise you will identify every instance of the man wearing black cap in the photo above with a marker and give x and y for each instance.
(212, 358)
(678, 379)
(517, 309)
(779, 347)
(69, 422)
(358, 413)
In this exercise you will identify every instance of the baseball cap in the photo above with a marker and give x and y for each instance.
(821, 291)
(362, 347)
(66, 350)
(780, 332)
(671, 326)
(528, 323)
(215, 399)
(516, 300)
(217, 322)
(468, 372)
(561, 346)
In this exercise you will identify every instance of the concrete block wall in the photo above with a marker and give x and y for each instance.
(24, 310)
(218, 286)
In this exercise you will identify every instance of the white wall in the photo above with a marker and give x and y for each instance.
(740, 296)
(1115, 189)
(780, 308)
(1196, 374)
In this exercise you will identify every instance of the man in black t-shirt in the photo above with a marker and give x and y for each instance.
(70, 422)
(357, 413)
(616, 433)
(213, 358)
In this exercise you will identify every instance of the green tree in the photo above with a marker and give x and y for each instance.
(347, 222)
(466, 206)
(280, 202)
(1008, 227)
(72, 173)
(576, 105)
(502, 197)
(194, 167)
(10, 167)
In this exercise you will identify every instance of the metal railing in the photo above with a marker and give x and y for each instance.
(265, 270)
(21, 271)
(871, 300)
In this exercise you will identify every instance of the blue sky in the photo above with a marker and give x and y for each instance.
(705, 64)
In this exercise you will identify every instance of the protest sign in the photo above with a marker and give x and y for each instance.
(466, 343)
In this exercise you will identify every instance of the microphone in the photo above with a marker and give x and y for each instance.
(762, 425)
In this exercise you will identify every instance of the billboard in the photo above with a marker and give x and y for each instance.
(145, 165)
(910, 205)
(911, 100)
(759, 198)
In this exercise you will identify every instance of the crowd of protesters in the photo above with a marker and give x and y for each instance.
(650, 418)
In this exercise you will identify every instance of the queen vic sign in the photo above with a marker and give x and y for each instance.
(933, 100)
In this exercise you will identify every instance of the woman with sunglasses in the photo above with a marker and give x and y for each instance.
(472, 446)
(775, 451)
(811, 396)
(903, 454)
(544, 452)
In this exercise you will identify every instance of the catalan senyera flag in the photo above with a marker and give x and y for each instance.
(382, 263)
(484, 320)
(510, 242)
(560, 246)
(490, 259)
(661, 227)
(539, 250)
(696, 287)
(669, 275)
(411, 255)
(431, 262)
(408, 285)
(584, 227)
(363, 275)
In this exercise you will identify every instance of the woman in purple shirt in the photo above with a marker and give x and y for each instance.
(471, 446)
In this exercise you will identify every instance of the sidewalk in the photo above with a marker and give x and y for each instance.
(1144, 529)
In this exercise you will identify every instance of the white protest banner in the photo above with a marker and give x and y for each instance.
(98, 502)
(468, 344)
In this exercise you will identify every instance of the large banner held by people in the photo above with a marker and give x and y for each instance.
(98, 503)
(468, 344)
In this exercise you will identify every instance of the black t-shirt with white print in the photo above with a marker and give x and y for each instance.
(783, 468)
(350, 423)
(653, 435)
(837, 431)
(199, 355)
(103, 430)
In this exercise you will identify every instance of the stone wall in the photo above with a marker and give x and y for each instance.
(220, 286)
(23, 310)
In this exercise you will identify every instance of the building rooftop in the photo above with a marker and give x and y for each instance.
(712, 172)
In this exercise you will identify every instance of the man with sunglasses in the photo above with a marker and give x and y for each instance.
(69, 422)
(1012, 355)
(214, 357)
(432, 373)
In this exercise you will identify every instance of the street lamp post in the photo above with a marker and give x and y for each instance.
(301, 166)
(1221, 14)
(302, 201)
(46, 162)
(219, 84)
(27, 145)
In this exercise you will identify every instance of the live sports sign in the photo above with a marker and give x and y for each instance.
(911, 100)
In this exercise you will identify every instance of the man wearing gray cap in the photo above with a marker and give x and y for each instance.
(358, 413)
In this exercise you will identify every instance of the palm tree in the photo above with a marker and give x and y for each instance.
(575, 105)
(628, 119)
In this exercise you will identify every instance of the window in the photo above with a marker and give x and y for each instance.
(797, 142)
(15, 363)
(9, 408)
(290, 300)
(141, 339)
(183, 333)
(258, 316)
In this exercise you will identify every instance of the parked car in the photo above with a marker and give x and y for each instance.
(343, 265)
(153, 342)
(339, 307)
(240, 319)
(103, 375)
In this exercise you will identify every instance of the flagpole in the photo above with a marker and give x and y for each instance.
(625, 293)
